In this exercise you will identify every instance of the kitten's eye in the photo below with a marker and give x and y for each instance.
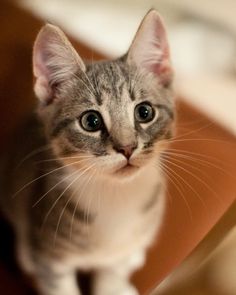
(91, 121)
(144, 113)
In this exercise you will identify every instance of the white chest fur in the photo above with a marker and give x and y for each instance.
(121, 225)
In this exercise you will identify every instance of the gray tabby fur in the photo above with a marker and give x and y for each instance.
(86, 212)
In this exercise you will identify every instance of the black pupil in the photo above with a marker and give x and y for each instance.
(144, 112)
(92, 121)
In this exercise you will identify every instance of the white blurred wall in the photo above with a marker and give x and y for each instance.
(202, 36)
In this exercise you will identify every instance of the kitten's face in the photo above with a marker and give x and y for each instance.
(113, 118)
(108, 118)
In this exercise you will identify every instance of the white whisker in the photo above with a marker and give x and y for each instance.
(60, 196)
(166, 156)
(89, 201)
(65, 158)
(196, 177)
(189, 156)
(69, 199)
(213, 140)
(33, 153)
(77, 203)
(193, 131)
(41, 176)
(167, 169)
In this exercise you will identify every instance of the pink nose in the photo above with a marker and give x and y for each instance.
(127, 150)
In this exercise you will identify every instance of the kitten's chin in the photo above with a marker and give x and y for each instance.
(127, 170)
(130, 169)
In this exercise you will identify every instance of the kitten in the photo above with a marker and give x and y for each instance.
(90, 193)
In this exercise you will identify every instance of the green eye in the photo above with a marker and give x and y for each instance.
(144, 113)
(91, 121)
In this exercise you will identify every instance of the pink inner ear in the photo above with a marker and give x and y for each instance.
(163, 70)
(42, 84)
(45, 62)
(41, 57)
(150, 48)
(54, 60)
(158, 60)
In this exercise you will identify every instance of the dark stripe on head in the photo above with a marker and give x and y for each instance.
(96, 87)
(121, 88)
(112, 74)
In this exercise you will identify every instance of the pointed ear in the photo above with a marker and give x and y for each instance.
(54, 61)
(150, 50)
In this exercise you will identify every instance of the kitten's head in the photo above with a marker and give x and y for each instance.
(111, 117)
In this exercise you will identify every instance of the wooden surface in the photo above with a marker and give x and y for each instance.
(201, 185)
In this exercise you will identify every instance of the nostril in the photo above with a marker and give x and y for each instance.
(127, 150)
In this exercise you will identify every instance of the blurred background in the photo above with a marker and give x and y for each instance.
(202, 37)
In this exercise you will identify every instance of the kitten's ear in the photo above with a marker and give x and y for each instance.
(150, 49)
(54, 61)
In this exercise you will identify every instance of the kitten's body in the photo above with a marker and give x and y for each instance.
(101, 198)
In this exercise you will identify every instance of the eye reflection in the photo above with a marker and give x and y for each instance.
(144, 113)
(91, 121)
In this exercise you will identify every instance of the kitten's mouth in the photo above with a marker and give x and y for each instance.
(127, 169)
